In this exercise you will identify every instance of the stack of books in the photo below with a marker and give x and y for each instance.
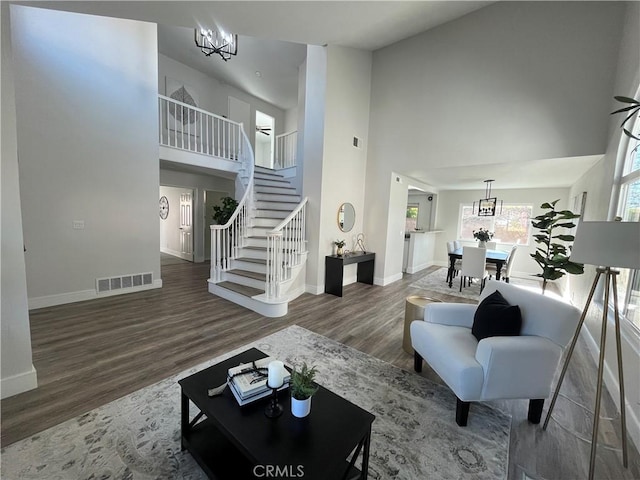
(248, 381)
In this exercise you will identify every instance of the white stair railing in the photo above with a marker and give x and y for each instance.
(286, 150)
(227, 239)
(286, 246)
(189, 128)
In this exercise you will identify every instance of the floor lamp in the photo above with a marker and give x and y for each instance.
(605, 245)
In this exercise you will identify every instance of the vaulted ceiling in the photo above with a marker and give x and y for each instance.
(272, 41)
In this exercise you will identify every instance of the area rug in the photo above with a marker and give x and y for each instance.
(414, 435)
(436, 282)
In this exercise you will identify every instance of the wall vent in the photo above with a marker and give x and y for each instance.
(123, 282)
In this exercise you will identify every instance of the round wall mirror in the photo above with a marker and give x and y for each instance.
(346, 217)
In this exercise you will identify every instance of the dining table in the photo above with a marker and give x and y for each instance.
(497, 257)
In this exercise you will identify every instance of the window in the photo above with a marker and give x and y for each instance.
(511, 226)
(629, 210)
(412, 218)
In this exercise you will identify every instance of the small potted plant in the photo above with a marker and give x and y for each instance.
(483, 236)
(302, 389)
(340, 244)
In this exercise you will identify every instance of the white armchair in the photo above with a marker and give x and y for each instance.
(499, 367)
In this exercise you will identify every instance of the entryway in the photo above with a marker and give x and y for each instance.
(264, 144)
(176, 222)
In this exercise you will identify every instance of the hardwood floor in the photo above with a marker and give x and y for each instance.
(90, 353)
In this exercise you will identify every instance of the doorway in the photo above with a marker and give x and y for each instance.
(264, 143)
(176, 222)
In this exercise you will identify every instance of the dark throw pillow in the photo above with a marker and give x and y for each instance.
(494, 317)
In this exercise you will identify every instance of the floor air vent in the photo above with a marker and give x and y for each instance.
(123, 282)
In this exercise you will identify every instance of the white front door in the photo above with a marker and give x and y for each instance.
(186, 226)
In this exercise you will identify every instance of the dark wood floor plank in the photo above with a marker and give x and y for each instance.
(90, 353)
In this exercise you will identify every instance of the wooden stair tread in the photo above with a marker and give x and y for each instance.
(248, 274)
(258, 190)
(261, 261)
(241, 289)
(273, 209)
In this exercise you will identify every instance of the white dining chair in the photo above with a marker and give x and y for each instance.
(457, 264)
(473, 265)
(492, 245)
(457, 244)
(506, 270)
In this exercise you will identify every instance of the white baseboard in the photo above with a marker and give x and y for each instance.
(176, 253)
(19, 383)
(611, 384)
(82, 295)
(314, 289)
(387, 280)
(417, 268)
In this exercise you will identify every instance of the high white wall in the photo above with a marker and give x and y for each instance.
(511, 82)
(88, 148)
(213, 95)
(199, 184)
(602, 200)
(291, 119)
(17, 372)
(343, 115)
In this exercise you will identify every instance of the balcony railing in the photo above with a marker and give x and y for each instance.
(286, 150)
(189, 128)
(286, 248)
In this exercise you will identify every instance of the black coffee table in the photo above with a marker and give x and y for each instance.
(229, 441)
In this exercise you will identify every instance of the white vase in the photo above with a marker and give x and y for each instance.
(482, 244)
(300, 408)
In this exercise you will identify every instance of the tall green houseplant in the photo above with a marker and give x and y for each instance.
(553, 257)
(222, 214)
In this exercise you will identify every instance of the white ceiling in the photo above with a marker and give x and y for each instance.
(548, 173)
(276, 61)
(273, 35)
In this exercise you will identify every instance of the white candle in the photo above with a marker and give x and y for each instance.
(276, 377)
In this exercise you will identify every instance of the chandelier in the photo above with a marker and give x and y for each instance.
(487, 205)
(216, 41)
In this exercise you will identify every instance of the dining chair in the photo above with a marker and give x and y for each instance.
(473, 265)
(506, 271)
(457, 244)
(457, 264)
(492, 245)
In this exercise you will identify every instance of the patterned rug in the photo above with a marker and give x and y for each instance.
(436, 282)
(414, 435)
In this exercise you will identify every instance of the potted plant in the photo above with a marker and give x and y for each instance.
(340, 244)
(553, 257)
(483, 236)
(302, 389)
(222, 214)
(633, 108)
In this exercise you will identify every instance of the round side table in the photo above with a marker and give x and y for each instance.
(413, 310)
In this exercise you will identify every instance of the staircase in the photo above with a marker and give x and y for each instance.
(267, 268)
(258, 257)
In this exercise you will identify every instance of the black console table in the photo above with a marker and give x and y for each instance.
(334, 270)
